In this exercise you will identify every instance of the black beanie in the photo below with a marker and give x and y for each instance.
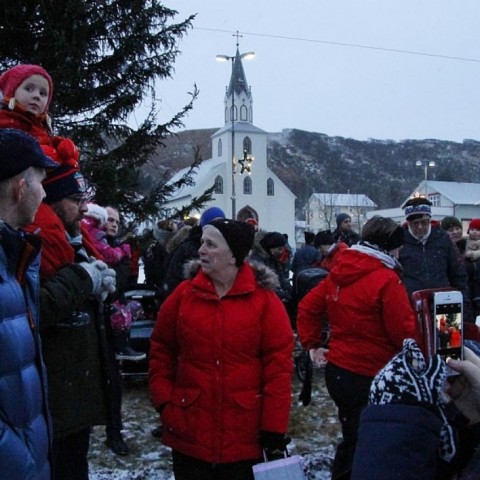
(63, 182)
(324, 238)
(238, 235)
(273, 240)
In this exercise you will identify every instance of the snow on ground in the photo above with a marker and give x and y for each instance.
(314, 431)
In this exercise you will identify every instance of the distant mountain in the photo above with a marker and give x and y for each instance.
(309, 162)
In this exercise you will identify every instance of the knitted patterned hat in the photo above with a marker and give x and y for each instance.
(417, 206)
(11, 80)
(238, 235)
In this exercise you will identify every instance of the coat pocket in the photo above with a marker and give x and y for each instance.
(180, 415)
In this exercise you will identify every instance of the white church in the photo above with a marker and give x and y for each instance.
(244, 186)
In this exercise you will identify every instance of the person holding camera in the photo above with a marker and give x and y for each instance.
(403, 432)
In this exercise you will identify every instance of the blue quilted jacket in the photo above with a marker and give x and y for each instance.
(24, 418)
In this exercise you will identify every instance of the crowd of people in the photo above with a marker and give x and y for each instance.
(220, 363)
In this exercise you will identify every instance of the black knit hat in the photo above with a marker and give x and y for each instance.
(324, 238)
(238, 235)
(448, 222)
(273, 240)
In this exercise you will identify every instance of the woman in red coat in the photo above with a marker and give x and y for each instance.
(221, 361)
(369, 314)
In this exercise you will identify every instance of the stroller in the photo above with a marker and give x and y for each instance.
(144, 317)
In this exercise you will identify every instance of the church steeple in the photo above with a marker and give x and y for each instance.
(238, 95)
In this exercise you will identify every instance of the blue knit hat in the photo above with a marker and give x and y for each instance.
(211, 214)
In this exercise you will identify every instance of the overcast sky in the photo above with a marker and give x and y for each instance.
(336, 66)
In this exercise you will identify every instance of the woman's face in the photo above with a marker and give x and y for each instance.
(215, 254)
(455, 233)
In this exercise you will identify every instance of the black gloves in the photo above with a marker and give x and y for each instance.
(76, 319)
(408, 379)
(274, 444)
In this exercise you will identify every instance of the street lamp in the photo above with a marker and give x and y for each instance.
(425, 164)
(239, 58)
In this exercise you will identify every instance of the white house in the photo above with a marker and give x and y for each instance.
(461, 200)
(322, 209)
(244, 185)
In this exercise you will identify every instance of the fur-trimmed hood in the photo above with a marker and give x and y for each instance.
(264, 276)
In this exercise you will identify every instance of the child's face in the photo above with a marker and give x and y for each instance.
(474, 234)
(32, 94)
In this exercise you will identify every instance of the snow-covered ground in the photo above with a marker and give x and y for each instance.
(314, 431)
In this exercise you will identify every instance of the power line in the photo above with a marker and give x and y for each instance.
(351, 45)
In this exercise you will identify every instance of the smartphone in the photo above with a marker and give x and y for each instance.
(448, 325)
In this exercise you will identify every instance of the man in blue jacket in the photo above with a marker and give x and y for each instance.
(24, 420)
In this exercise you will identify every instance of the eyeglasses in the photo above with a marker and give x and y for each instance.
(78, 199)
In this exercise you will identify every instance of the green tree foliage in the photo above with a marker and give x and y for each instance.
(104, 57)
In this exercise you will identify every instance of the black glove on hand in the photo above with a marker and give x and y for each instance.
(274, 444)
(407, 379)
(76, 319)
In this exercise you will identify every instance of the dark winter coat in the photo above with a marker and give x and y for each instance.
(187, 250)
(401, 442)
(75, 355)
(24, 420)
(433, 265)
(220, 368)
(368, 311)
(259, 255)
(304, 257)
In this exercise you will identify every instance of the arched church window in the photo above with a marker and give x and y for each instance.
(251, 115)
(226, 115)
(219, 147)
(243, 113)
(270, 187)
(234, 109)
(218, 184)
(247, 145)
(247, 186)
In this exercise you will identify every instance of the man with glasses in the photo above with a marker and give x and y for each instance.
(72, 327)
(428, 257)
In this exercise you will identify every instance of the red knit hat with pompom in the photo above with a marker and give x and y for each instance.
(11, 80)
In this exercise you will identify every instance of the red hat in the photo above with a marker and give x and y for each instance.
(474, 223)
(11, 80)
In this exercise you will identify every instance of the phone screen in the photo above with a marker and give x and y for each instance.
(448, 323)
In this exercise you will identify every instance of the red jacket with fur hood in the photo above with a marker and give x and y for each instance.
(221, 368)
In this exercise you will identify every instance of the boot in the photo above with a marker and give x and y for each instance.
(123, 350)
(116, 444)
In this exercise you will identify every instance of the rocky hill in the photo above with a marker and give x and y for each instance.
(311, 162)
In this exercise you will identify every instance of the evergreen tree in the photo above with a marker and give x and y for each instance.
(105, 57)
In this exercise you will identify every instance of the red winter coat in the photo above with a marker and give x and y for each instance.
(222, 367)
(368, 311)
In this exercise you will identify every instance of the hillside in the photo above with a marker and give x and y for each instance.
(311, 162)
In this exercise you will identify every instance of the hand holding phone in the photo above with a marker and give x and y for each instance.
(448, 325)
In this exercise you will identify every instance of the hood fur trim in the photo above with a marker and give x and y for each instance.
(264, 276)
